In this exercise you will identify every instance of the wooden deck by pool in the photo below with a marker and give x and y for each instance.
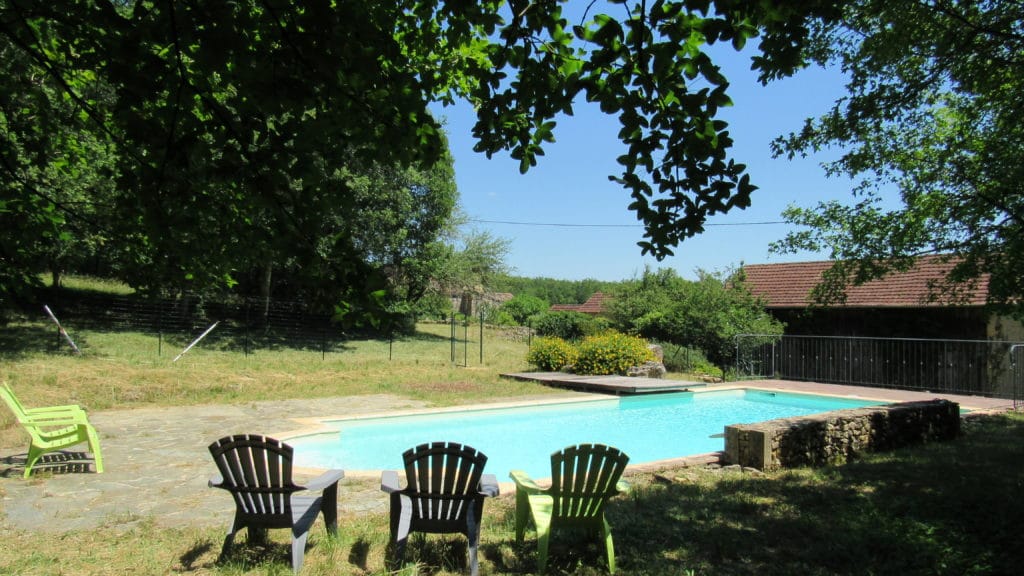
(607, 384)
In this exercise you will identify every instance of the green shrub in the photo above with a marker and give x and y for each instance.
(686, 360)
(433, 307)
(568, 325)
(522, 307)
(551, 354)
(611, 353)
(500, 318)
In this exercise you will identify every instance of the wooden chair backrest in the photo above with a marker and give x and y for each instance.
(442, 477)
(257, 470)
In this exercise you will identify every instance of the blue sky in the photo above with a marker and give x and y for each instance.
(597, 234)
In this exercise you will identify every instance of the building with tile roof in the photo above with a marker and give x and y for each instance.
(593, 306)
(900, 305)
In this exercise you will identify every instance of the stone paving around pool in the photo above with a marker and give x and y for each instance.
(157, 465)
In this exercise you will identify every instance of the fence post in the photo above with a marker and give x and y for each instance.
(245, 340)
(481, 336)
(159, 328)
(737, 361)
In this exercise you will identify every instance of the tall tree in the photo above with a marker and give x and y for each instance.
(932, 117)
(231, 116)
(471, 266)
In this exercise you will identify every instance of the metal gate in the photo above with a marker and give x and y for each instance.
(979, 367)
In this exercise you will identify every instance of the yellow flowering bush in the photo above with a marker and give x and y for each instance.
(611, 353)
(551, 353)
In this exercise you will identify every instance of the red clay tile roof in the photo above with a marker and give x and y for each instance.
(593, 305)
(789, 285)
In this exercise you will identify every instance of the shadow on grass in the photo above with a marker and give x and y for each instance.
(20, 341)
(433, 553)
(941, 509)
(192, 555)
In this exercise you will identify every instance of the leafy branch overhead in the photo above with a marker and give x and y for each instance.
(236, 126)
(650, 67)
(931, 133)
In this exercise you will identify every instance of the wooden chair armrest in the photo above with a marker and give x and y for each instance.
(524, 482)
(489, 485)
(325, 480)
(389, 482)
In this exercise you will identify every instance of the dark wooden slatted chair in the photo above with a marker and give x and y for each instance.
(583, 478)
(257, 471)
(445, 494)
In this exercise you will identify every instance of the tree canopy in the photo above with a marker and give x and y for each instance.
(932, 132)
(232, 120)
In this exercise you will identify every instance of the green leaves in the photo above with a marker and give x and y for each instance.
(705, 314)
(931, 132)
(232, 120)
(642, 68)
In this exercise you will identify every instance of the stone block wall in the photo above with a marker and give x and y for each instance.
(835, 437)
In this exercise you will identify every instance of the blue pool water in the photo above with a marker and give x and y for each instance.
(647, 428)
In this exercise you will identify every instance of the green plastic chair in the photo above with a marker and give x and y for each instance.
(583, 478)
(53, 428)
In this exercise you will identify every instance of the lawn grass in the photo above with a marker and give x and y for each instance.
(942, 509)
(128, 370)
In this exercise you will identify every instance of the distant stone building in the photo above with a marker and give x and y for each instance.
(469, 303)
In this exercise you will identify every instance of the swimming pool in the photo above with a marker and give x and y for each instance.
(647, 428)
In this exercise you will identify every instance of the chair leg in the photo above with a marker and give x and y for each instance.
(473, 535)
(298, 550)
(401, 521)
(522, 513)
(329, 508)
(229, 540)
(94, 446)
(543, 537)
(33, 456)
(257, 535)
(609, 546)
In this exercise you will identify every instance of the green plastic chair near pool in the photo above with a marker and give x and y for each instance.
(583, 478)
(53, 428)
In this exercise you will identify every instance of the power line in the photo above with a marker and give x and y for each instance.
(571, 225)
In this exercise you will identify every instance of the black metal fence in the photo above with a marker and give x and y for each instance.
(243, 324)
(976, 367)
(240, 325)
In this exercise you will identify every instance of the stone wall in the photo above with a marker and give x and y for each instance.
(835, 437)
